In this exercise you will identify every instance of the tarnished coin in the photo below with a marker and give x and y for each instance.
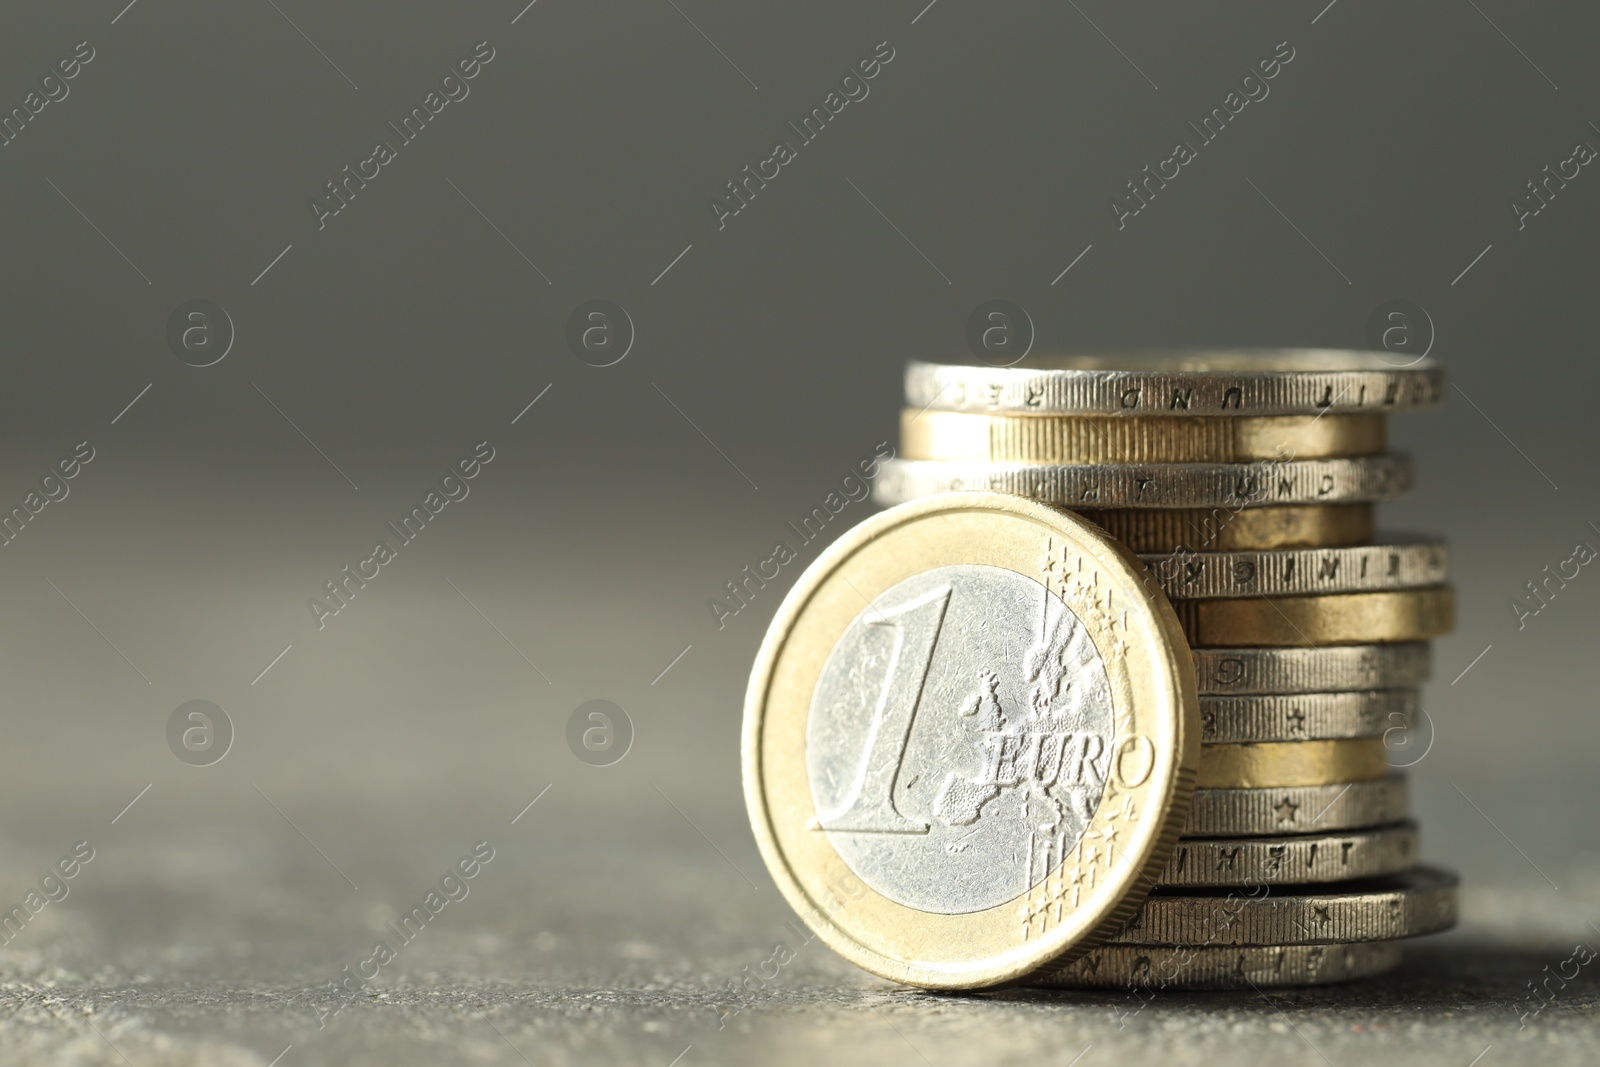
(970, 738)
(1420, 901)
(1155, 485)
(1332, 669)
(1302, 859)
(1297, 809)
(1195, 382)
(1392, 564)
(1225, 967)
(1306, 716)
(1268, 764)
(1397, 615)
(984, 438)
(1235, 529)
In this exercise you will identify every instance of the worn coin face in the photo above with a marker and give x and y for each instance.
(970, 738)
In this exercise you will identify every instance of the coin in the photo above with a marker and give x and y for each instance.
(1306, 716)
(985, 438)
(1397, 615)
(970, 737)
(1170, 485)
(1197, 382)
(1393, 564)
(1226, 967)
(1231, 529)
(1265, 764)
(1296, 809)
(1334, 668)
(1419, 901)
(1300, 859)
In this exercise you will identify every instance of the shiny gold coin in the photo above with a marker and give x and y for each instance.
(970, 739)
(1271, 764)
(1309, 621)
(977, 437)
(1224, 529)
(1225, 967)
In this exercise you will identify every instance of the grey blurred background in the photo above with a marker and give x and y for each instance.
(372, 354)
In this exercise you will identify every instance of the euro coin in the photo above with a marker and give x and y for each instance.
(1297, 809)
(1145, 967)
(1306, 716)
(1400, 615)
(1155, 485)
(1381, 567)
(1333, 668)
(1235, 528)
(970, 739)
(1419, 901)
(1265, 764)
(985, 438)
(1193, 382)
(1300, 859)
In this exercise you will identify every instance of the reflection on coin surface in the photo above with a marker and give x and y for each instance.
(970, 738)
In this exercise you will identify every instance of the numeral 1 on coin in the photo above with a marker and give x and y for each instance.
(869, 806)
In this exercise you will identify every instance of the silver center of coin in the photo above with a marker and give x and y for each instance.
(959, 738)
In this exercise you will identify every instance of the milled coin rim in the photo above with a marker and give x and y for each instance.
(980, 949)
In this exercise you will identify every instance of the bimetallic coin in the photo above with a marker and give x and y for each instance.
(1297, 809)
(1298, 621)
(1306, 716)
(970, 739)
(1303, 859)
(1420, 901)
(1332, 669)
(1300, 571)
(1236, 529)
(1290, 763)
(984, 438)
(1225, 967)
(1155, 485)
(1215, 383)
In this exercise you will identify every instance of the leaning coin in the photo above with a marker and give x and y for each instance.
(1420, 901)
(985, 438)
(1235, 529)
(1155, 485)
(1225, 967)
(1391, 564)
(1296, 809)
(1298, 621)
(1306, 716)
(1334, 668)
(1194, 382)
(969, 742)
(1270, 764)
(1300, 859)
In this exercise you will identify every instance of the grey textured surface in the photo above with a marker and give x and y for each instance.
(376, 351)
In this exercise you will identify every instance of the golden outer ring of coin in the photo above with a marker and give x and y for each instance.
(1310, 621)
(1226, 966)
(1292, 859)
(1156, 717)
(984, 438)
(1272, 764)
(1223, 529)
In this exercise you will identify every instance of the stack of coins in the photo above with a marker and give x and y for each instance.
(1246, 483)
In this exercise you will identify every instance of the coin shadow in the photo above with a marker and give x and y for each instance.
(1454, 976)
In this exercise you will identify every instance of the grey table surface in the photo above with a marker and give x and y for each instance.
(370, 351)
